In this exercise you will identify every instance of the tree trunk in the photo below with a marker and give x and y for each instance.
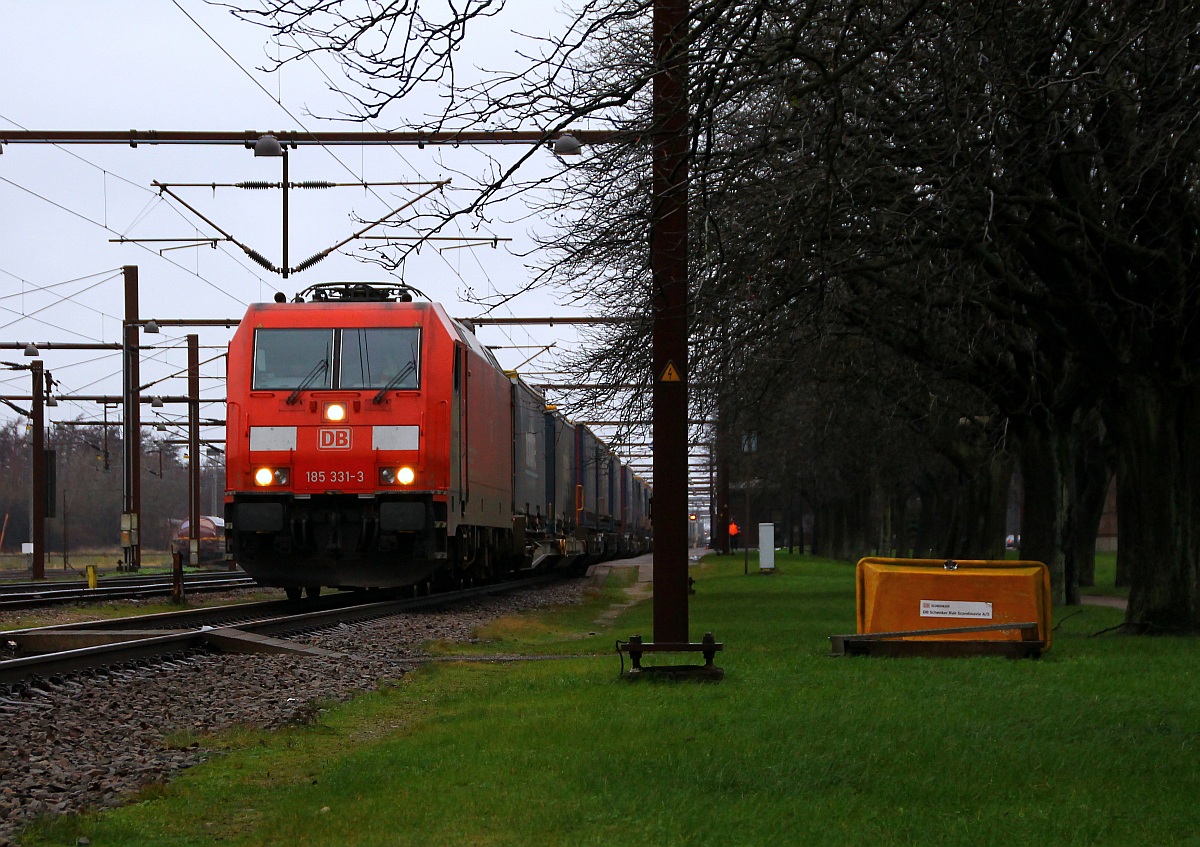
(901, 543)
(984, 498)
(936, 518)
(818, 530)
(1093, 474)
(1124, 577)
(884, 545)
(1158, 494)
(1048, 524)
(789, 518)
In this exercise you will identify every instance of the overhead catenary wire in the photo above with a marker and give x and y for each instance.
(251, 254)
(399, 154)
(263, 89)
(84, 217)
(40, 288)
(320, 256)
(26, 316)
(104, 225)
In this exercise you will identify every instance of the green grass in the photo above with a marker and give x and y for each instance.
(1094, 744)
(78, 560)
(1106, 577)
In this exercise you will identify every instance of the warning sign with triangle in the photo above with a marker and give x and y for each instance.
(670, 374)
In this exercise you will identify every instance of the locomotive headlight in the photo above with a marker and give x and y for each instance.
(397, 476)
(271, 476)
(335, 412)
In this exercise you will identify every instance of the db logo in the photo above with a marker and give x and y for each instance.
(333, 439)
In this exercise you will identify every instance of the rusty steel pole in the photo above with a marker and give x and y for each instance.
(132, 426)
(37, 505)
(669, 274)
(193, 345)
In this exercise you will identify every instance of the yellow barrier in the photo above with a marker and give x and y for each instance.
(938, 600)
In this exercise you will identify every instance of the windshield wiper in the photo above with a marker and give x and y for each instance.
(395, 381)
(319, 369)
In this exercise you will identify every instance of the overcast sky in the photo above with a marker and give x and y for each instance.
(185, 65)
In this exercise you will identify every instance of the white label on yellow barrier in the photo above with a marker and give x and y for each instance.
(955, 609)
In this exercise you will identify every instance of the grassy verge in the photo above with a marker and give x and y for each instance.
(1106, 577)
(1096, 743)
(77, 561)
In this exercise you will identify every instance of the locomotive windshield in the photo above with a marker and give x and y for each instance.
(304, 359)
(291, 358)
(380, 358)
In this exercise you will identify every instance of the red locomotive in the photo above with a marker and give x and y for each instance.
(372, 441)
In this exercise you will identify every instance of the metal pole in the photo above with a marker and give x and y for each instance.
(132, 425)
(300, 138)
(713, 508)
(37, 507)
(66, 530)
(283, 265)
(193, 342)
(669, 272)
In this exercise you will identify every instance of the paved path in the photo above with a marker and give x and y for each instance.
(1098, 600)
(645, 563)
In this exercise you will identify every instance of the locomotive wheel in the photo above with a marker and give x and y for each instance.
(294, 592)
(312, 591)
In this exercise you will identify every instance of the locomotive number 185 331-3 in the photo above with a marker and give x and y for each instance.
(335, 476)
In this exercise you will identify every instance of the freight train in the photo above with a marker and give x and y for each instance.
(372, 442)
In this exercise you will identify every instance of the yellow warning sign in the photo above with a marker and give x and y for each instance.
(670, 374)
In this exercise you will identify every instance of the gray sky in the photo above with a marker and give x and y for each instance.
(184, 65)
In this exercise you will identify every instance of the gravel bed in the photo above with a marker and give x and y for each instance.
(92, 743)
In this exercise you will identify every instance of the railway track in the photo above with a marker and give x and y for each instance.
(49, 653)
(29, 595)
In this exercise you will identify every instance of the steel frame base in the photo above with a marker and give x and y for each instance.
(635, 647)
(926, 643)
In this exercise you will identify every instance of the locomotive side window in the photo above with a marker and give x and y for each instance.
(293, 359)
(385, 358)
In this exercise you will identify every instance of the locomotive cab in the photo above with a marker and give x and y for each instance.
(338, 433)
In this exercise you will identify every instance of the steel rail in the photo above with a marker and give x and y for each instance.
(56, 650)
(16, 581)
(29, 597)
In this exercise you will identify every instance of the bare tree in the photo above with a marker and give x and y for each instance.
(1002, 193)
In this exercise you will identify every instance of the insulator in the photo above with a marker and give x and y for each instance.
(314, 183)
(256, 184)
(261, 259)
(309, 262)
